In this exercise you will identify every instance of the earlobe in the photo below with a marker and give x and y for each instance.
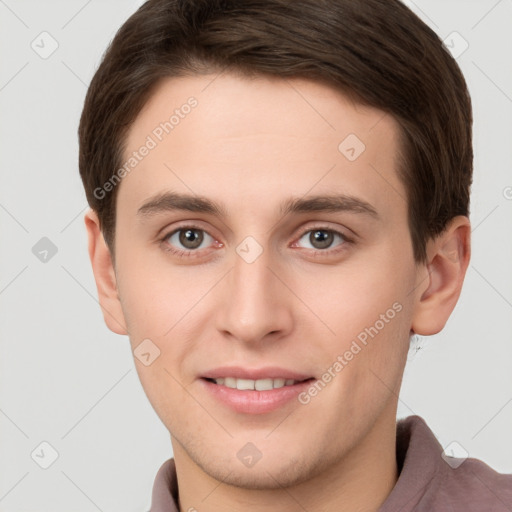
(104, 275)
(447, 261)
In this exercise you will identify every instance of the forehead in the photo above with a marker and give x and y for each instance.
(238, 106)
(213, 134)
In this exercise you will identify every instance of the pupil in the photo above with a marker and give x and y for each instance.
(321, 239)
(191, 238)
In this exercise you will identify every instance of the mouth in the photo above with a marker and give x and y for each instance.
(255, 385)
(255, 396)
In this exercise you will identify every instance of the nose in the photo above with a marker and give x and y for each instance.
(254, 302)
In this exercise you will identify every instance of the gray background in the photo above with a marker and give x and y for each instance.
(67, 380)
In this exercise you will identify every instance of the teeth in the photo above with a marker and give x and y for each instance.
(258, 385)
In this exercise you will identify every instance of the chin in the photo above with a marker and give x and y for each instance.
(264, 475)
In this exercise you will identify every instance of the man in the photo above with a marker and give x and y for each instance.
(279, 199)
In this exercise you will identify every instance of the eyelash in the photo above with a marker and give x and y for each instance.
(191, 253)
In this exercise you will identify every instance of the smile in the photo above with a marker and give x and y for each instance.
(258, 385)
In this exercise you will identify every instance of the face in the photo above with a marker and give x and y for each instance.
(290, 260)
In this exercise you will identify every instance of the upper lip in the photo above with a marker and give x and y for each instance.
(268, 372)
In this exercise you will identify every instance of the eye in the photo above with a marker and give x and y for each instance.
(186, 239)
(321, 238)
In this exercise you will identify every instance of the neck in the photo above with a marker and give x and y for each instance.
(360, 480)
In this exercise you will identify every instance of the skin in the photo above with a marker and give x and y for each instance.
(251, 144)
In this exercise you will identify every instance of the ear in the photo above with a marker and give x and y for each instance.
(447, 261)
(104, 275)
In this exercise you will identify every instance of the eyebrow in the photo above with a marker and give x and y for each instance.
(173, 201)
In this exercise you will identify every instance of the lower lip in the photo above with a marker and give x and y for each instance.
(255, 402)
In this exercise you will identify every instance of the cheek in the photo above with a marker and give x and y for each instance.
(157, 299)
(364, 360)
(351, 299)
(368, 309)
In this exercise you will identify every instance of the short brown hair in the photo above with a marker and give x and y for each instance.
(377, 52)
